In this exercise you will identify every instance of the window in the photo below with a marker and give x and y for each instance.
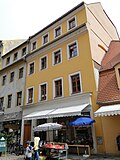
(75, 83)
(58, 31)
(11, 76)
(34, 44)
(24, 51)
(43, 62)
(9, 101)
(19, 98)
(30, 95)
(4, 80)
(43, 92)
(15, 56)
(31, 68)
(21, 73)
(45, 38)
(72, 50)
(1, 103)
(71, 23)
(58, 88)
(7, 60)
(57, 57)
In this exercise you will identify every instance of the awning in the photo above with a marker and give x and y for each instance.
(110, 110)
(58, 112)
(68, 111)
(38, 115)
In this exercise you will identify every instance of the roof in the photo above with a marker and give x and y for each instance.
(108, 88)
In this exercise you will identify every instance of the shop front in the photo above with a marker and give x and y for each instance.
(64, 112)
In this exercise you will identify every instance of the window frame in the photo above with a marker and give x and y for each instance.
(24, 52)
(29, 68)
(56, 36)
(12, 77)
(19, 76)
(68, 51)
(15, 56)
(70, 83)
(19, 99)
(43, 38)
(4, 80)
(1, 104)
(45, 56)
(54, 91)
(40, 95)
(9, 102)
(27, 100)
(68, 23)
(32, 45)
(7, 60)
(53, 57)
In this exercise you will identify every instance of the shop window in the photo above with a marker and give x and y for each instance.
(19, 98)
(4, 80)
(43, 62)
(43, 92)
(30, 95)
(11, 76)
(21, 72)
(57, 57)
(72, 50)
(9, 101)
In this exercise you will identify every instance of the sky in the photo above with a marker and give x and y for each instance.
(20, 19)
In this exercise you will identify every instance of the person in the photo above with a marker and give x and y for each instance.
(36, 145)
(28, 152)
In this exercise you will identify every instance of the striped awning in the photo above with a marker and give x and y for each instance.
(109, 110)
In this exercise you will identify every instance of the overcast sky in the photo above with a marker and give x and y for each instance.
(20, 19)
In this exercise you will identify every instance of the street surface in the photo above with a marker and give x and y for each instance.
(70, 157)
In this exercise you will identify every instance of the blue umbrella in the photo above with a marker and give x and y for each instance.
(82, 121)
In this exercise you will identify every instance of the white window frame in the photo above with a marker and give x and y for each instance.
(55, 31)
(46, 62)
(68, 57)
(29, 68)
(53, 62)
(68, 21)
(39, 98)
(32, 45)
(60, 78)
(28, 94)
(70, 84)
(43, 39)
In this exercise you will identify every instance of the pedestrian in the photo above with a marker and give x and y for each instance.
(36, 145)
(28, 152)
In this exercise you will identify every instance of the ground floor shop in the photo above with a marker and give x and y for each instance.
(110, 117)
(62, 111)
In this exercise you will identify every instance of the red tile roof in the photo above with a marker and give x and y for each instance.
(108, 88)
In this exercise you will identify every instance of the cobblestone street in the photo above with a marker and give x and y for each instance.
(70, 157)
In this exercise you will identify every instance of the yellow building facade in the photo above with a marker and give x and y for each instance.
(62, 71)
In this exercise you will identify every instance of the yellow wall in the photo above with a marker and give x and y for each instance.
(80, 21)
(111, 128)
